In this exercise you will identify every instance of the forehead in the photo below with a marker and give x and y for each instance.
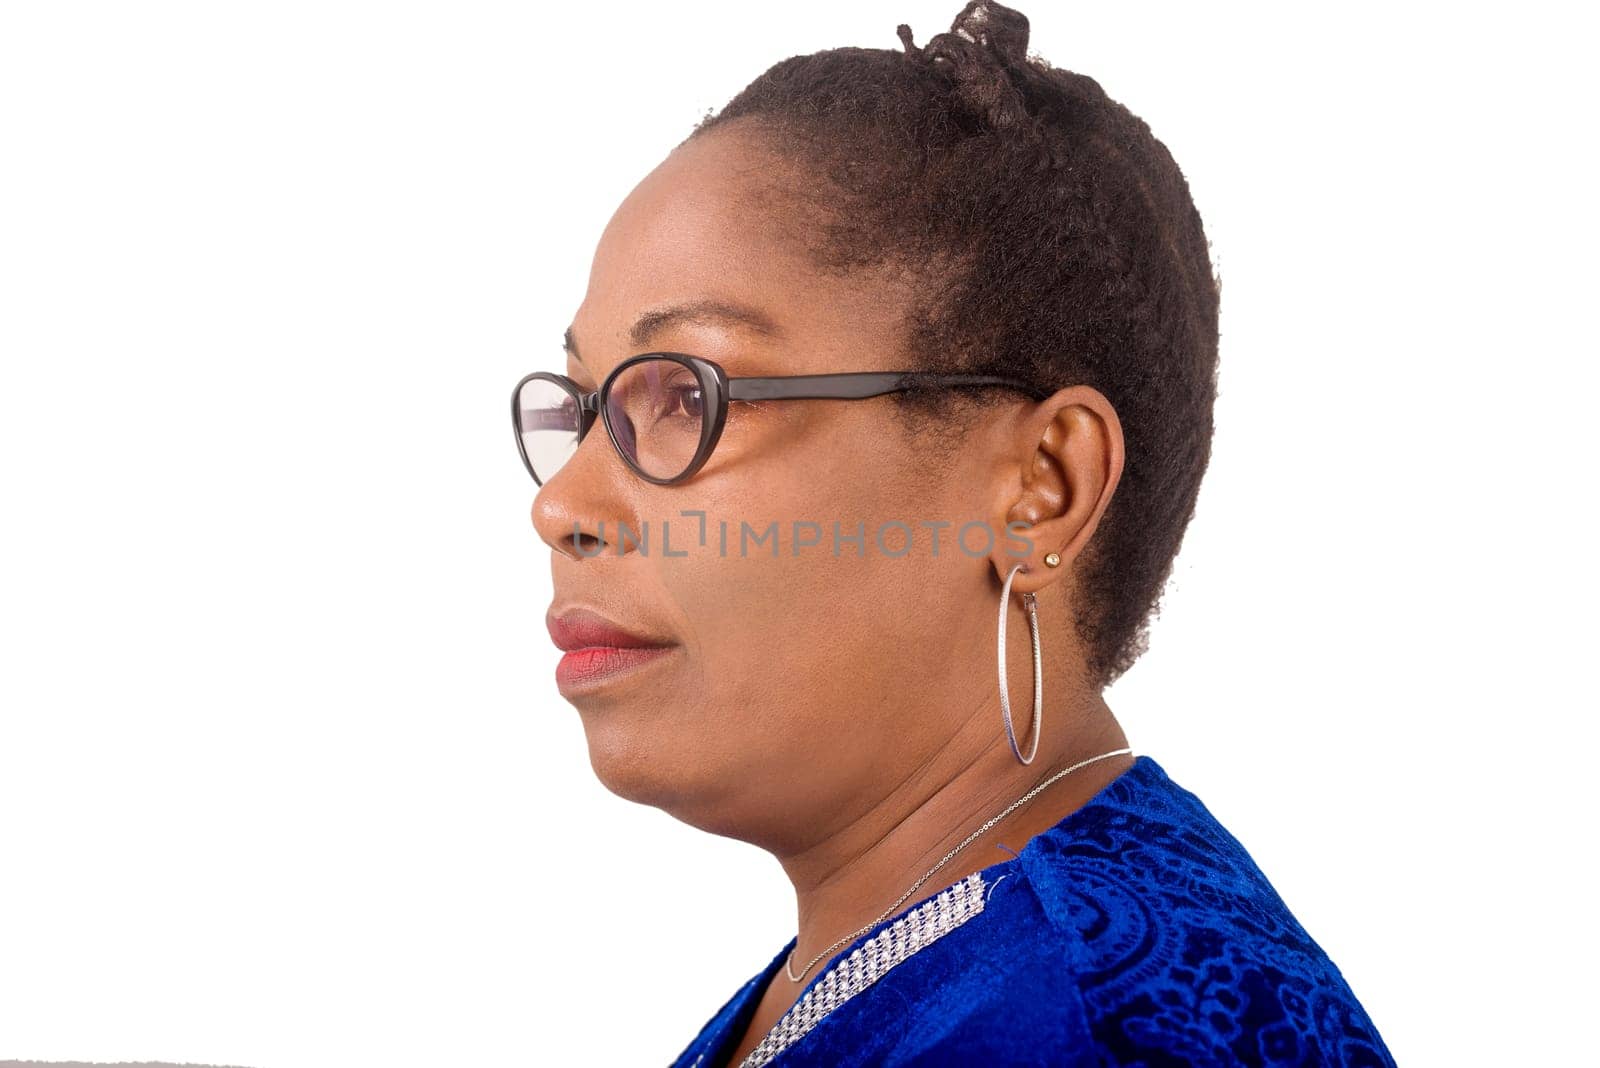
(712, 224)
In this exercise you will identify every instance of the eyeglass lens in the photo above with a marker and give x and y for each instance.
(655, 409)
(548, 420)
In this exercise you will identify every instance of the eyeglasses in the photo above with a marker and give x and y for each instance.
(664, 411)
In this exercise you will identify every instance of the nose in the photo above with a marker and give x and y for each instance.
(581, 510)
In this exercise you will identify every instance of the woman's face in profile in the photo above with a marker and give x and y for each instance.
(777, 661)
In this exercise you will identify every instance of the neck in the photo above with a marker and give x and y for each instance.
(851, 878)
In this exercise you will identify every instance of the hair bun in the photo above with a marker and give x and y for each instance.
(985, 41)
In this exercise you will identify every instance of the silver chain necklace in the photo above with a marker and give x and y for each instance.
(789, 960)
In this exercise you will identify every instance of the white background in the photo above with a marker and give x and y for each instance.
(284, 777)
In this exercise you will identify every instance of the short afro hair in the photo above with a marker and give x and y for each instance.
(1056, 241)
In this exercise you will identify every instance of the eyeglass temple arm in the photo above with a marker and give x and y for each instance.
(546, 419)
(854, 385)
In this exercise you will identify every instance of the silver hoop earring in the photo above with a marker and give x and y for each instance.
(1038, 669)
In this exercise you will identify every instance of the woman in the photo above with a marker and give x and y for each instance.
(778, 563)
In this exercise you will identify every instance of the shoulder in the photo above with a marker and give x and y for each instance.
(1181, 949)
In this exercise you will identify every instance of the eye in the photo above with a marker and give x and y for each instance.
(686, 400)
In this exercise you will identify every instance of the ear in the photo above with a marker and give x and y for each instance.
(1070, 450)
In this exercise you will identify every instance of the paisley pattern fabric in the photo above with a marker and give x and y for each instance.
(1137, 931)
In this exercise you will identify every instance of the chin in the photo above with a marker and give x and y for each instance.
(673, 773)
(631, 758)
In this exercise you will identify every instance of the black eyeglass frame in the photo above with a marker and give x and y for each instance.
(717, 389)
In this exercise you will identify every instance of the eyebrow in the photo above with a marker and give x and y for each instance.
(711, 310)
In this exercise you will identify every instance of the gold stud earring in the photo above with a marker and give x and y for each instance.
(1052, 560)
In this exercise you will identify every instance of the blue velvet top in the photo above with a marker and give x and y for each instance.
(1136, 931)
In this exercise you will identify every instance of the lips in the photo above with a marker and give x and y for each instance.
(598, 649)
(580, 628)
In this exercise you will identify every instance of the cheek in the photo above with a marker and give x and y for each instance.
(772, 639)
(795, 658)
(783, 617)
(795, 663)
(779, 658)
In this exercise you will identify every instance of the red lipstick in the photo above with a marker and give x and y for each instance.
(598, 649)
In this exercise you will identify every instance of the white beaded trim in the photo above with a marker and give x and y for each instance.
(849, 976)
